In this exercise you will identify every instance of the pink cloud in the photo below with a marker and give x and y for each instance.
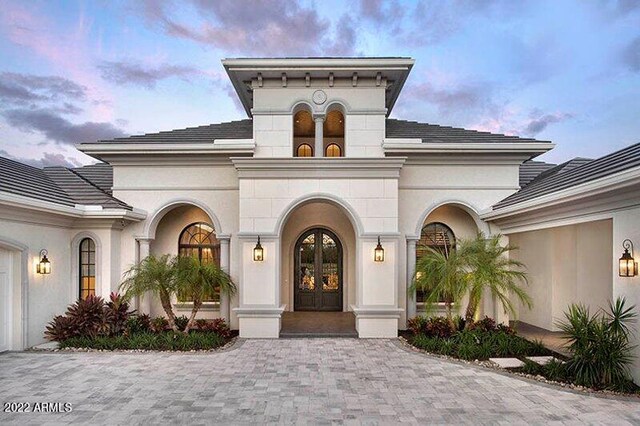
(67, 50)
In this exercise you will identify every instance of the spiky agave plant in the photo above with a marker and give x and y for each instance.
(599, 344)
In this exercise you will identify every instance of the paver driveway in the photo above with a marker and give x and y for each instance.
(289, 381)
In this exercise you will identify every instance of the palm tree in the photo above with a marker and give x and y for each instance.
(194, 279)
(490, 268)
(441, 276)
(155, 275)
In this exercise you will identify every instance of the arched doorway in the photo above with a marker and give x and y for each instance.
(318, 271)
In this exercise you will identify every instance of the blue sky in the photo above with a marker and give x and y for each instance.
(74, 71)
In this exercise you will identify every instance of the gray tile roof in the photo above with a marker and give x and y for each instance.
(81, 190)
(241, 129)
(100, 174)
(575, 172)
(529, 170)
(20, 179)
(432, 133)
(60, 185)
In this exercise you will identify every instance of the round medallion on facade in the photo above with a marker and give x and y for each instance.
(319, 97)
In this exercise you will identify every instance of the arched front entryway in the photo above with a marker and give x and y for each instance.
(318, 259)
(318, 300)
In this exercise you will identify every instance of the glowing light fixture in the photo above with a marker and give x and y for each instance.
(628, 265)
(258, 252)
(44, 266)
(378, 253)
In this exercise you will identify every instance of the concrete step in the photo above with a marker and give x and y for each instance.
(297, 335)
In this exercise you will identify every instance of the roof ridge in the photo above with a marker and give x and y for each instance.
(540, 187)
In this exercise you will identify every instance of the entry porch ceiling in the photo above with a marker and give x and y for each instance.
(242, 71)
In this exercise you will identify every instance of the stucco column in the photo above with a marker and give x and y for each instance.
(224, 264)
(411, 270)
(144, 248)
(319, 151)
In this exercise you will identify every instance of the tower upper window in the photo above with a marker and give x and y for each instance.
(304, 133)
(333, 134)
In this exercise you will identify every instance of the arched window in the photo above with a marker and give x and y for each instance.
(87, 253)
(304, 133)
(436, 236)
(199, 240)
(304, 150)
(333, 134)
(333, 150)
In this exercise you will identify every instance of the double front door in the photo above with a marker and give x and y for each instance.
(318, 271)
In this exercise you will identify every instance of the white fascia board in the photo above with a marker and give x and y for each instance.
(588, 189)
(78, 211)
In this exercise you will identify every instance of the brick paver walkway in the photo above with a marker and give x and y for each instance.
(289, 381)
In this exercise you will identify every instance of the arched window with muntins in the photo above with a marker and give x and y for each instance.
(87, 273)
(199, 240)
(435, 236)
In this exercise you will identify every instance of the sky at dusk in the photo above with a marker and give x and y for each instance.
(75, 71)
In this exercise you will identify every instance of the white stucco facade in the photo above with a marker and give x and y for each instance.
(381, 187)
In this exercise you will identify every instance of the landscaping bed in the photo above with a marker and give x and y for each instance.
(590, 369)
(94, 324)
(481, 340)
(166, 341)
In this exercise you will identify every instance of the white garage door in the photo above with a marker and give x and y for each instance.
(5, 301)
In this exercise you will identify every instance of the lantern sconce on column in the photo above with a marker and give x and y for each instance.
(44, 265)
(258, 252)
(378, 253)
(628, 267)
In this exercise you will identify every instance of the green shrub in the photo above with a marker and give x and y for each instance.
(217, 325)
(485, 324)
(599, 344)
(532, 368)
(147, 341)
(417, 325)
(555, 370)
(181, 322)
(467, 350)
(159, 324)
(138, 324)
(447, 347)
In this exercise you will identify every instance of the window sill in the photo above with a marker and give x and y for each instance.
(206, 306)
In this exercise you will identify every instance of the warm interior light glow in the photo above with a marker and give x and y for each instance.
(628, 267)
(258, 252)
(378, 253)
(44, 266)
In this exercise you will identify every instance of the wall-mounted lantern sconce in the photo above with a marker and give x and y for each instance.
(258, 252)
(628, 265)
(378, 253)
(44, 266)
